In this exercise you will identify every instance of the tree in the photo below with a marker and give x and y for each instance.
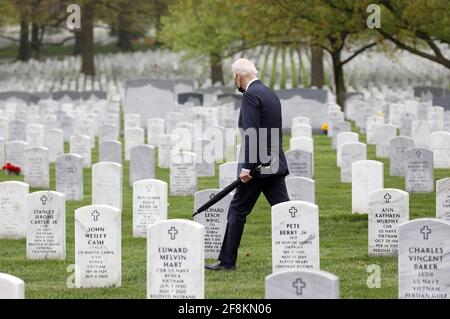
(23, 9)
(204, 28)
(333, 25)
(317, 71)
(419, 27)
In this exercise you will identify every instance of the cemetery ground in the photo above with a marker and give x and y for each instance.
(343, 240)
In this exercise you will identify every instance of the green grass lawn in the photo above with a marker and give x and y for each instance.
(343, 241)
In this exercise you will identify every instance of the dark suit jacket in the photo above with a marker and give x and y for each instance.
(261, 113)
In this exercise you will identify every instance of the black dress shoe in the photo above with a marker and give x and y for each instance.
(219, 266)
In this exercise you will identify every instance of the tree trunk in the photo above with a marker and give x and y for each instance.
(216, 69)
(339, 81)
(35, 41)
(87, 39)
(24, 44)
(78, 45)
(124, 42)
(317, 72)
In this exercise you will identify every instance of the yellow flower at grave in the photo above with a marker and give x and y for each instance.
(324, 127)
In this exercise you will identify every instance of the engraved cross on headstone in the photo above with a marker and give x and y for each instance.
(95, 215)
(172, 232)
(44, 200)
(293, 211)
(387, 197)
(425, 232)
(299, 284)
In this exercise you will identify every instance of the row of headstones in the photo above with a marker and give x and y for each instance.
(177, 247)
(422, 265)
(30, 123)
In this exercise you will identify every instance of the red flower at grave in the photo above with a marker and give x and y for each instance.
(10, 168)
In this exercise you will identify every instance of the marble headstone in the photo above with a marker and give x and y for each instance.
(98, 251)
(110, 151)
(81, 145)
(46, 225)
(419, 175)
(54, 142)
(107, 184)
(397, 154)
(367, 176)
(299, 163)
(183, 176)
(424, 259)
(36, 168)
(227, 174)
(13, 209)
(443, 199)
(175, 260)
(214, 219)
(351, 152)
(149, 204)
(295, 236)
(301, 188)
(440, 145)
(302, 284)
(69, 176)
(11, 287)
(388, 208)
(142, 163)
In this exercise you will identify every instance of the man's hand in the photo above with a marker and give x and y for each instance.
(245, 175)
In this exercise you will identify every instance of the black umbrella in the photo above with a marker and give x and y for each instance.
(224, 192)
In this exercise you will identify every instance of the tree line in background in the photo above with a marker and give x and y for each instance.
(218, 29)
(125, 19)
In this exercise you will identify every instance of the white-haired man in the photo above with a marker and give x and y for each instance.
(260, 113)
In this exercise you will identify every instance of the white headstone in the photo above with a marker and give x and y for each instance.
(341, 138)
(397, 154)
(302, 284)
(175, 260)
(98, 255)
(36, 168)
(81, 145)
(107, 184)
(133, 136)
(110, 151)
(46, 225)
(419, 176)
(183, 176)
(54, 142)
(11, 287)
(367, 176)
(227, 174)
(214, 219)
(142, 163)
(351, 152)
(388, 208)
(155, 128)
(12, 209)
(69, 176)
(383, 134)
(149, 204)
(440, 145)
(35, 135)
(424, 259)
(443, 199)
(301, 188)
(295, 236)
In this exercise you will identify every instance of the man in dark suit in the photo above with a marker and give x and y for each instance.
(262, 140)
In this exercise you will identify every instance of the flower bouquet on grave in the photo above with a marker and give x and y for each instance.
(324, 128)
(11, 169)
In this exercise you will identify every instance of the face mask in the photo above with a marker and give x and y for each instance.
(239, 88)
